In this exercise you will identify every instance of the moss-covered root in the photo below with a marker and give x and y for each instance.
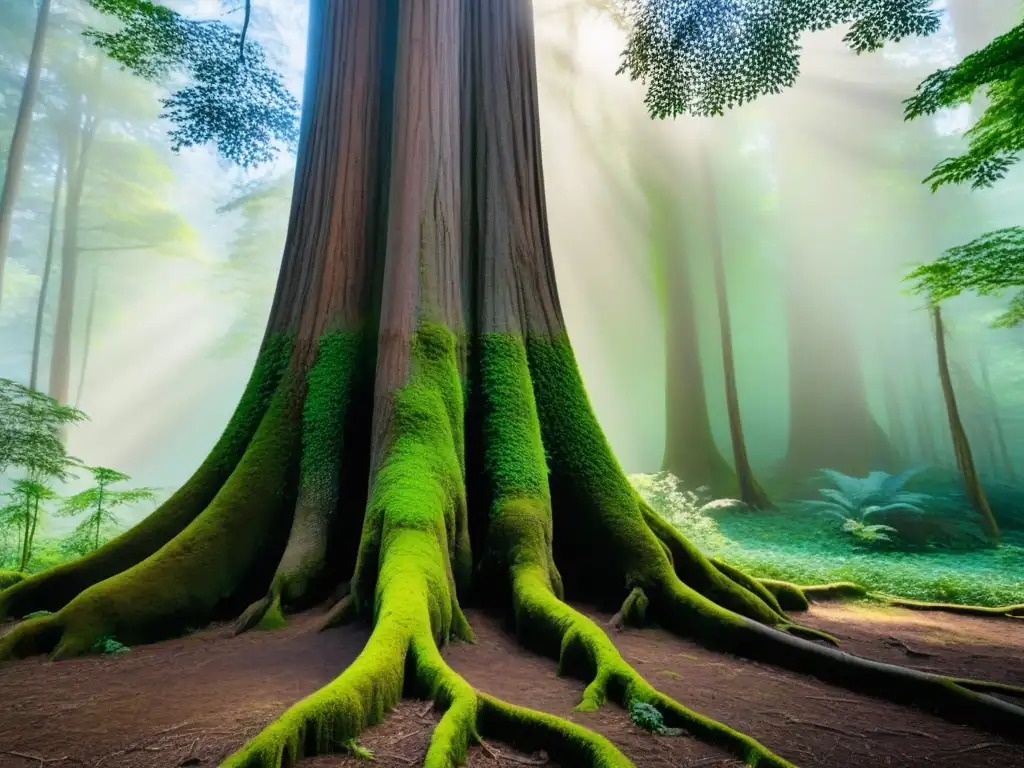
(999, 612)
(586, 652)
(565, 742)
(10, 578)
(633, 612)
(789, 596)
(181, 584)
(54, 588)
(681, 610)
(742, 595)
(328, 397)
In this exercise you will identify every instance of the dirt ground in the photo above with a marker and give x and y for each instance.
(192, 701)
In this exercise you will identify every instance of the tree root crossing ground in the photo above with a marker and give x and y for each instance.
(416, 438)
(203, 696)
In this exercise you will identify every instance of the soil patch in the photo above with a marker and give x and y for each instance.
(194, 700)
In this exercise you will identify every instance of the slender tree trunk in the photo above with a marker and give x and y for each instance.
(19, 141)
(961, 446)
(99, 518)
(751, 492)
(87, 341)
(992, 406)
(44, 288)
(25, 537)
(60, 363)
(894, 412)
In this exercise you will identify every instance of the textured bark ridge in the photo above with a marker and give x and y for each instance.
(416, 422)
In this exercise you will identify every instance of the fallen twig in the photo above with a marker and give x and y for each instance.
(906, 648)
(28, 756)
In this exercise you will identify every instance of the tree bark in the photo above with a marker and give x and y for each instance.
(418, 260)
(44, 288)
(751, 492)
(19, 141)
(961, 447)
(993, 412)
(690, 450)
(78, 164)
(90, 315)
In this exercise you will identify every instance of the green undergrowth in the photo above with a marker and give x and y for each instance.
(792, 545)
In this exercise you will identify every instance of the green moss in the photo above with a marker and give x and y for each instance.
(411, 513)
(273, 618)
(789, 596)
(180, 585)
(520, 539)
(10, 578)
(329, 390)
(54, 588)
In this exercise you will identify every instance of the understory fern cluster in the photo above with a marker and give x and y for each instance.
(798, 544)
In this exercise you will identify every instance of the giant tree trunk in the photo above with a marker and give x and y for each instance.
(19, 141)
(961, 447)
(751, 492)
(417, 286)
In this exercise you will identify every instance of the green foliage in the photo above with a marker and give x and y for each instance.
(647, 717)
(997, 138)
(10, 578)
(680, 507)
(987, 265)
(236, 101)
(108, 646)
(701, 57)
(24, 512)
(357, 751)
(98, 504)
(791, 546)
(877, 509)
(30, 424)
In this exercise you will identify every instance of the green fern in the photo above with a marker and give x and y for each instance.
(648, 718)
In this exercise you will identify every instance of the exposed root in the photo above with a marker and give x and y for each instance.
(519, 549)
(750, 583)
(328, 396)
(54, 588)
(633, 612)
(183, 583)
(1001, 612)
(688, 614)
(840, 590)
(565, 741)
(789, 596)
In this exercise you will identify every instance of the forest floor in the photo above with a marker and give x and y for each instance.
(194, 700)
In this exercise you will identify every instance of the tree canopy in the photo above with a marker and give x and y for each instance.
(234, 100)
(702, 57)
(995, 261)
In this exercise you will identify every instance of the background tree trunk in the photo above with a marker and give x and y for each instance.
(961, 447)
(44, 288)
(90, 315)
(750, 492)
(78, 163)
(992, 405)
(690, 450)
(19, 141)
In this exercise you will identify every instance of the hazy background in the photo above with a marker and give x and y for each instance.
(818, 187)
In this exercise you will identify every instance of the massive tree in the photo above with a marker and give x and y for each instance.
(416, 420)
